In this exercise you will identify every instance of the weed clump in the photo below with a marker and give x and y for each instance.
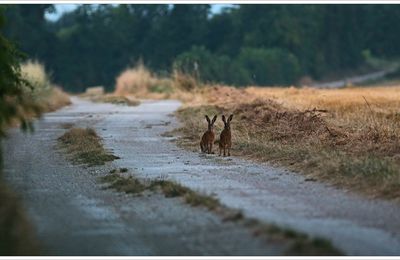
(84, 146)
(169, 188)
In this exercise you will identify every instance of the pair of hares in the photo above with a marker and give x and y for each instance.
(225, 139)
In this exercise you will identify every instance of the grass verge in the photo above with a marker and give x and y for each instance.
(348, 137)
(84, 146)
(296, 243)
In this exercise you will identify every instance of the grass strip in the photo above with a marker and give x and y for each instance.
(84, 146)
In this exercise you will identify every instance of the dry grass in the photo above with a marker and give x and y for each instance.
(47, 96)
(17, 237)
(134, 80)
(56, 100)
(349, 137)
(84, 146)
(139, 82)
(34, 72)
(184, 82)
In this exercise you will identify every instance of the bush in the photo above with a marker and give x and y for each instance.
(137, 80)
(39, 82)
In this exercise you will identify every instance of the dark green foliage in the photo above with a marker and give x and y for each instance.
(247, 44)
(13, 104)
(269, 66)
(251, 66)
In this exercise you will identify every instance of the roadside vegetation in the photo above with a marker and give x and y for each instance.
(46, 96)
(349, 137)
(83, 146)
(295, 243)
(140, 82)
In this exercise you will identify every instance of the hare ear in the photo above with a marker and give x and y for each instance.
(230, 118)
(208, 119)
(213, 120)
(223, 119)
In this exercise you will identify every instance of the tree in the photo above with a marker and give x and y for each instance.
(13, 104)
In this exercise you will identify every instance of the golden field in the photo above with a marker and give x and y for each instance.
(348, 137)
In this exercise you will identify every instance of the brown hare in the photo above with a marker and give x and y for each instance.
(225, 139)
(207, 140)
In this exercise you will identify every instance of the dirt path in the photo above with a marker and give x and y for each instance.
(74, 215)
(357, 225)
(357, 79)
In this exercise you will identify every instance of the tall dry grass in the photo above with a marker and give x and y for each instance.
(137, 80)
(140, 82)
(35, 74)
(41, 91)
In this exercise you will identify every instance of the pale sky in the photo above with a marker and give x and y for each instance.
(62, 8)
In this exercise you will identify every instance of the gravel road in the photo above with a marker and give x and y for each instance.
(68, 207)
(75, 216)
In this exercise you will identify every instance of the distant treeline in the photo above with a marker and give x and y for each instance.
(245, 44)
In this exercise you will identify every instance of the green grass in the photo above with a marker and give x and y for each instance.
(173, 189)
(169, 188)
(84, 146)
(195, 199)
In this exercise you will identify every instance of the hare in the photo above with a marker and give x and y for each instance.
(225, 139)
(207, 140)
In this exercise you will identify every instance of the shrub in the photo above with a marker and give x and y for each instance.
(39, 89)
(137, 80)
(34, 73)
